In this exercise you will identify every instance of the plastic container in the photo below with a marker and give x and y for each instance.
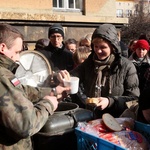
(143, 128)
(86, 141)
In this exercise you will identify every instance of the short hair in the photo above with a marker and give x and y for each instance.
(82, 53)
(87, 38)
(70, 41)
(8, 34)
(132, 42)
(41, 44)
(100, 39)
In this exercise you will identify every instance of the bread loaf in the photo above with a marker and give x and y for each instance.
(92, 101)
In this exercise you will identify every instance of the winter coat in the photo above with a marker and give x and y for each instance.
(141, 66)
(121, 84)
(124, 83)
(19, 117)
(59, 58)
(124, 49)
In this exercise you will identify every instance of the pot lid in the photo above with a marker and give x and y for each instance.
(33, 68)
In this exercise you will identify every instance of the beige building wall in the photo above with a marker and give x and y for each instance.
(27, 4)
(94, 11)
(33, 17)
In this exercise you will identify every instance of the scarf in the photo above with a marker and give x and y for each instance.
(102, 69)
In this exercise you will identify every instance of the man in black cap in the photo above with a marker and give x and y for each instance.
(59, 57)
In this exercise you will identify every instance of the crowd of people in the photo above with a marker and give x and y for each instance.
(110, 70)
(97, 59)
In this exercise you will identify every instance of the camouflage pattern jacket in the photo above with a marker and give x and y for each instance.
(23, 112)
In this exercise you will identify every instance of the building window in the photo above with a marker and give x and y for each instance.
(120, 13)
(66, 5)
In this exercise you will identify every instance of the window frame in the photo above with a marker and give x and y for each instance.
(128, 12)
(65, 5)
(119, 13)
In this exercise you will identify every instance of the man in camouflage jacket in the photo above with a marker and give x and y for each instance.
(20, 118)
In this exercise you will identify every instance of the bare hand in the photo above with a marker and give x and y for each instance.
(53, 100)
(63, 75)
(62, 91)
(103, 103)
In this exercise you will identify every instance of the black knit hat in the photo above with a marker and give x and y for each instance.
(56, 28)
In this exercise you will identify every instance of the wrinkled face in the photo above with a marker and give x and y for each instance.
(102, 49)
(13, 52)
(141, 52)
(71, 47)
(56, 39)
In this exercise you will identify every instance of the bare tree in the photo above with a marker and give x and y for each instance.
(139, 23)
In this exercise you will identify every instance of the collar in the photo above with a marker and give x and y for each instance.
(8, 63)
(53, 49)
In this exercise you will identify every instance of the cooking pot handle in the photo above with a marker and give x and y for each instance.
(81, 115)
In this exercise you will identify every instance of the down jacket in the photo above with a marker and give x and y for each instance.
(124, 83)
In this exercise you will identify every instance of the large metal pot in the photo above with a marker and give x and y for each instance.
(58, 132)
(61, 121)
(66, 108)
